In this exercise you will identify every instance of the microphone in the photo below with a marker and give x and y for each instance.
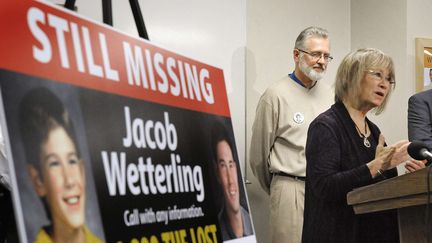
(419, 150)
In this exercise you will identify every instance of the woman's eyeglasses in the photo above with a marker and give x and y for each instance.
(379, 76)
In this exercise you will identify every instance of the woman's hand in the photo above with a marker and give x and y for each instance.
(388, 154)
(383, 157)
(413, 165)
(401, 153)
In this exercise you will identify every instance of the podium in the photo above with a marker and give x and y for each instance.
(408, 193)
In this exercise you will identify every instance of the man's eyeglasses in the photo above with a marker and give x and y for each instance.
(379, 76)
(316, 56)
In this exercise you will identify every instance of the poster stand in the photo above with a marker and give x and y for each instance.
(107, 14)
(70, 4)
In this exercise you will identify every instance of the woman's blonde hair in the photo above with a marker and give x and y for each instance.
(352, 69)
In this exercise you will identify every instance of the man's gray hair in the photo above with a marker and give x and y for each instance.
(309, 32)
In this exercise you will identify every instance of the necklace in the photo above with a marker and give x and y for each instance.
(365, 139)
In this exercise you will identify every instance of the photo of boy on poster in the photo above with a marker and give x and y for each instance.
(55, 166)
(234, 219)
(50, 163)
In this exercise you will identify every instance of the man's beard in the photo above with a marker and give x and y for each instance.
(310, 72)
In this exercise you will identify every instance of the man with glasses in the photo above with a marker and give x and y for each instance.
(283, 115)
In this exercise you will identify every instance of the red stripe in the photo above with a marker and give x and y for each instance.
(17, 42)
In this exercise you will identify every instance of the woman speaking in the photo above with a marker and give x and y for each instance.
(346, 150)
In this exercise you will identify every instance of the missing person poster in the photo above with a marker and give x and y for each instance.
(113, 139)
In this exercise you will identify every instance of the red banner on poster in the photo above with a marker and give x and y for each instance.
(48, 42)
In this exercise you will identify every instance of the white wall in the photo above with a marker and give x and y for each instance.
(418, 26)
